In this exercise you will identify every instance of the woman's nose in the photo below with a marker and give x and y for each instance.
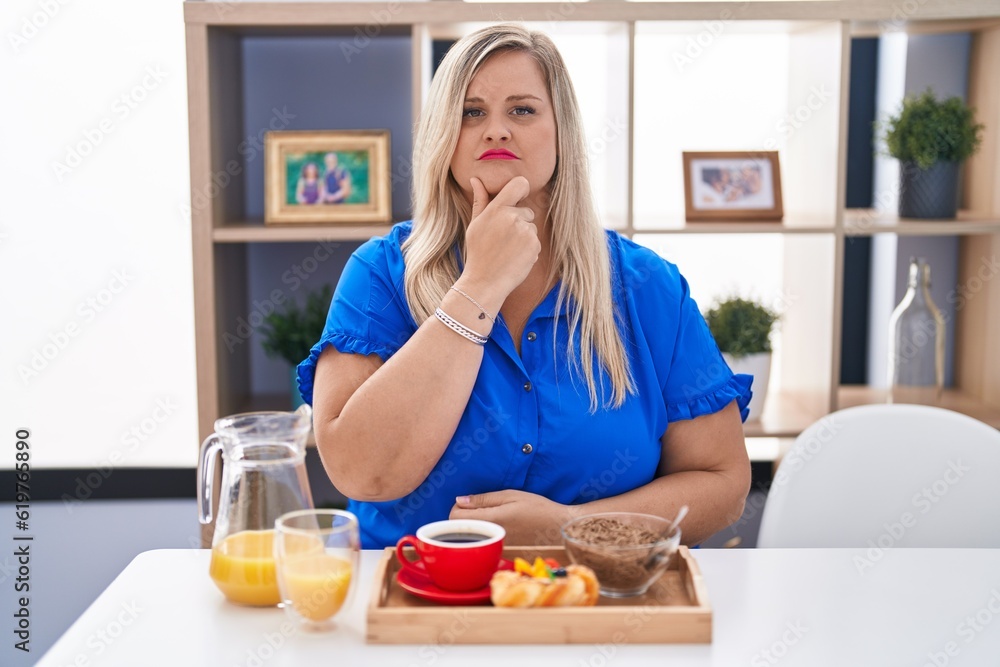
(496, 129)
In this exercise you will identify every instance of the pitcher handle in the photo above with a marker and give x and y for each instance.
(206, 476)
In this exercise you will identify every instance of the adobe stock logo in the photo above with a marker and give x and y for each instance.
(780, 647)
(33, 24)
(970, 627)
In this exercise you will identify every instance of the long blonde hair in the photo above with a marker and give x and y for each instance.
(578, 241)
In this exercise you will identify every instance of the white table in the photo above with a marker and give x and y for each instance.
(780, 606)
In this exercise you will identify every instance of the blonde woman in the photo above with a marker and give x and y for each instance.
(502, 356)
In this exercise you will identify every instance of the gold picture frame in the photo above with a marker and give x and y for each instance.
(732, 186)
(327, 176)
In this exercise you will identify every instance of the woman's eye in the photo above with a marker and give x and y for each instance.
(523, 111)
(472, 113)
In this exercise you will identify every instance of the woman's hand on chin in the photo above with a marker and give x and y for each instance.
(528, 518)
(501, 241)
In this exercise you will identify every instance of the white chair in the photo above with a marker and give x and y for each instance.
(882, 476)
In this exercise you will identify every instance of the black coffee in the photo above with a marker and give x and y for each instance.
(459, 538)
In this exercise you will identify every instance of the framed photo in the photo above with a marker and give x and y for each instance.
(337, 176)
(732, 185)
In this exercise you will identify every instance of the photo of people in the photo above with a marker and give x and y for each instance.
(327, 178)
(731, 184)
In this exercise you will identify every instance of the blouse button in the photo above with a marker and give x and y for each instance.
(527, 448)
(527, 386)
(532, 335)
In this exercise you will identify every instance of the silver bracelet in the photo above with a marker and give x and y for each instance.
(460, 328)
(484, 314)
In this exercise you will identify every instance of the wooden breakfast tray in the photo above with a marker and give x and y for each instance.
(675, 610)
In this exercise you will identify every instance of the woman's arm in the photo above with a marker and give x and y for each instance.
(381, 428)
(704, 465)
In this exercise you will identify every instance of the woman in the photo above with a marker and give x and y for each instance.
(309, 188)
(503, 357)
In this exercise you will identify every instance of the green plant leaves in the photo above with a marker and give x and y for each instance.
(291, 332)
(741, 326)
(928, 130)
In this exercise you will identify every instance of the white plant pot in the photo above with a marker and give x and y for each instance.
(759, 366)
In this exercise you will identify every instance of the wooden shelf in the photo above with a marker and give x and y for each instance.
(258, 232)
(734, 228)
(793, 223)
(783, 418)
(768, 449)
(248, 14)
(765, 440)
(854, 395)
(857, 222)
(786, 414)
(866, 222)
(919, 27)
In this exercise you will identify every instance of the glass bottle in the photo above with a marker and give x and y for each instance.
(916, 342)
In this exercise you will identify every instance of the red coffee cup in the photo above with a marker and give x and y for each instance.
(457, 554)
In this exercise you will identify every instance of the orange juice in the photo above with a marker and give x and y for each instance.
(243, 568)
(316, 585)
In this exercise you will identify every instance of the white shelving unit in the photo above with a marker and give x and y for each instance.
(630, 38)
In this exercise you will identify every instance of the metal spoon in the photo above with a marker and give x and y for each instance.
(654, 553)
(681, 513)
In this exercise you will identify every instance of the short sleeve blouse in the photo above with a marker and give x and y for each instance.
(526, 425)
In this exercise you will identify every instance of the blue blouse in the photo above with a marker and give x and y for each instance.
(526, 425)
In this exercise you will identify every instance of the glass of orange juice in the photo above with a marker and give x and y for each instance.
(316, 555)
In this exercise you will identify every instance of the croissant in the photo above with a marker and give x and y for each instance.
(579, 588)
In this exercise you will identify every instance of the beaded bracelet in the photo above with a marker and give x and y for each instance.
(484, 314)
(460, 328)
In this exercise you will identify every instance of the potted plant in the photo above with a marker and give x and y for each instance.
(742, 330)
(292, 331)
(931, 138)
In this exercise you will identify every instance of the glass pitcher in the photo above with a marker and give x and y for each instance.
(263, 477)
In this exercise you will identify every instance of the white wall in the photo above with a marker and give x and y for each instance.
(95, 255)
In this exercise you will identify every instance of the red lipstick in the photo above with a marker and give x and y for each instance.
(498, 154)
